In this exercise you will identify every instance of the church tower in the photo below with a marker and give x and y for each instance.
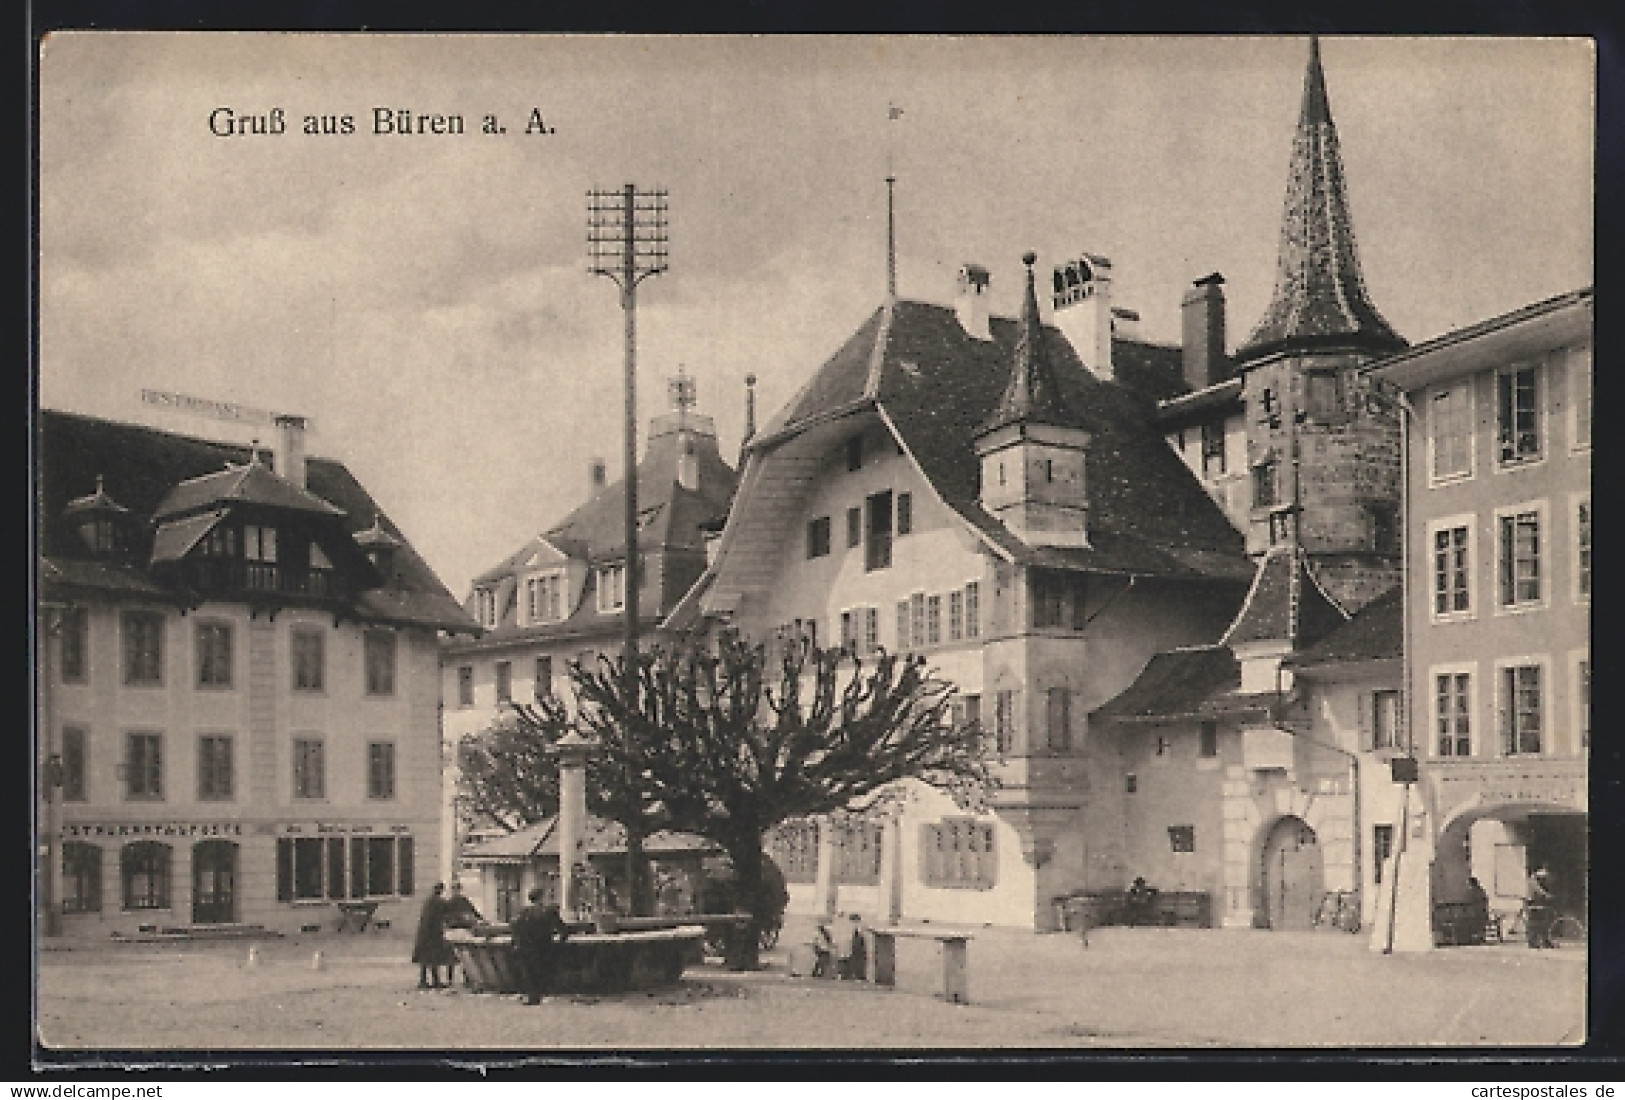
(1032, 460)
(1322, 446)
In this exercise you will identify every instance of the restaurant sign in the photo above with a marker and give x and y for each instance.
(1550, 782)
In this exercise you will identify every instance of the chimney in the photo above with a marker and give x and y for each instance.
(1125, 323)
(750, 409)
(970, 305)
(1083, 311)
(597, 476)
(289, 457)
(1202, 342)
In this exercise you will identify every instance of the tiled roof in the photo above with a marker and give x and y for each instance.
(1146, 509)
(1375, 633)
(673, 519)
(602, 838)
(1320, 299)
(1285, 603)
(141, 466)
(1176, 683)
(252, 483)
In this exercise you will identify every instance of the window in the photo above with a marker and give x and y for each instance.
(1212, 449)
(144, 765)
(309, 659)
(510, 891)
(794, 847)
(213, 655)
(956, 616)
(75, 643)
(379, 651)
(1182, 838)
(902, 624)
(933, 620)
(1452, 713)
(818, 537)
(1264, 487)
(854, 453)
(143, 648)
(504, 681)
(916, 618)
(973, 710)
(1131, 782)
(544, 598)
(1520, 558)
(878, 555)
(1582, 699)
(1521, 715)
(1582, 549)
(380, 769)
(973, 609)
(380, 865)
(905, 514)
(959, 854)
(1384, 528)
(214, 768)
(1579, 375)
(1323, 398)
(1382, 850)
(1450, 433)
(1517, 414)
(81, 877)
(854, 527)
(310, 868)
(543, 685)
(309, 768)
(858, 851)
(465, 686)
(1452, 568)
(1004, 721)
(1058, 715)
(849, 633)
(321, 572)
(485, 607)
(1057, 600)
(259, 550)
(74, 755)
(871, 629)
(1270, 408)
(1386, 730)
(612, 587)
(144, 869)
(1207, 745)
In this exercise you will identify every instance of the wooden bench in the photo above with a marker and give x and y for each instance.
(955, 958)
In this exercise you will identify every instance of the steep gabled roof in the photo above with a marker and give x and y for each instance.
(1320, 300)
(1285, 603)
(141, 467)
(1175, 684)
(252, 483)
(1375, 633)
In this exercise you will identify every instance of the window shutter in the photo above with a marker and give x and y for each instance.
(284, 868)
(404, 881)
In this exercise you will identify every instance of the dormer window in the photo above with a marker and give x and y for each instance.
(321, 572)
(485, 607)
(98, 519)
(259, 552)
(379, 546)
(612, 586)
(544, 598)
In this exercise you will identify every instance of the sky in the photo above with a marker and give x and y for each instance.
(425, 300)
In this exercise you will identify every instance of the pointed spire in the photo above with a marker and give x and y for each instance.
(1033, 394)
(891, 240)
(1320, 299)
(750, 417)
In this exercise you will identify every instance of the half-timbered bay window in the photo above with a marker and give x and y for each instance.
(144, 870)
(959, 854)
(81, 877)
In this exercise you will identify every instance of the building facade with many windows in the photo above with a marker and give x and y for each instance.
(1499, 609)
(238, 675)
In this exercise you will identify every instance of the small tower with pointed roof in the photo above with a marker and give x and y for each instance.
(1031, 454)
(1323, 448)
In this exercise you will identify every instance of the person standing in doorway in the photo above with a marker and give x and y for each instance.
(1539, 925)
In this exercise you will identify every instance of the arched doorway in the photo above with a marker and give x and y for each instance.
(1293, 877)
(214, 882)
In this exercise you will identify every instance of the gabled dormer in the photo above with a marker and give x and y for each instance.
(100, 522)
(246, 532)
(1032, 458)
(379, 546)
